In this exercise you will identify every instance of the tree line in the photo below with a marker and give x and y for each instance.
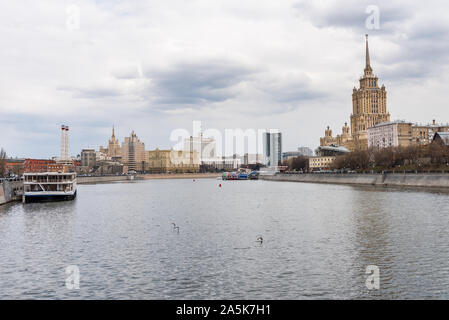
(434, 156)
(300, 163)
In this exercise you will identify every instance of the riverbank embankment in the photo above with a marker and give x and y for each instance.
(106, 179)
(102, 179)
(10, 191)
(436, 180)
(180, 176)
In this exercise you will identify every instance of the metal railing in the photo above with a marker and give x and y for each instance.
(11, 179)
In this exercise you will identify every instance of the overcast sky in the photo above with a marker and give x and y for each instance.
(155, 66)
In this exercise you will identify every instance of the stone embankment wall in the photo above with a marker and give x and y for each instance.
(10, 191)
(83, 180)
(440, 180)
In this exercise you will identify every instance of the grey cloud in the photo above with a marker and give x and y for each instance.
(91, 93)
(422, 41)
(293, 88)
(422, 53)
(193, 83)
(352, 14)
(190, 86)
(129, 72)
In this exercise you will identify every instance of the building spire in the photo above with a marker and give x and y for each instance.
(113, 131)
(367, 51)
(368, 69)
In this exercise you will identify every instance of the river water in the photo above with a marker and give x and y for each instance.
(318, 241)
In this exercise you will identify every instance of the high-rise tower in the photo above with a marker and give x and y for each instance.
(65, 143)
(114, 150)
(369, 107)
(369, 104)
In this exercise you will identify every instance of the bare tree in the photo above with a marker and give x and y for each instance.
(2, 162)
(394, 157)
(300, 163)
(384, 157)
(437, 152)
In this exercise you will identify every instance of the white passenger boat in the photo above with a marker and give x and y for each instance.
(49, 186)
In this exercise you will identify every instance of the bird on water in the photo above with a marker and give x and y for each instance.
(259, 239)
(175, 227)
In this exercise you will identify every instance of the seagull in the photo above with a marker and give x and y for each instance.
(175, 226)
(259, 239)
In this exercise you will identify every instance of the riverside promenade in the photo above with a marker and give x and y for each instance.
(433, 180)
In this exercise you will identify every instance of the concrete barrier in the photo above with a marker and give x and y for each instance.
(439, 180)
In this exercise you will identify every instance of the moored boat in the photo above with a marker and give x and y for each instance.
(49, 186)
(240, 176)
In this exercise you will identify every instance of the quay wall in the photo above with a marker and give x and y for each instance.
(84, 180)
(10, 191)
(181, 176)
(439, 180)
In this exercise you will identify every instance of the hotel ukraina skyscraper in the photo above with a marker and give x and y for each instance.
(369, 107)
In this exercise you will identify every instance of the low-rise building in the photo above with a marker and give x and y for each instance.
(332, 150)
(390, 134)
(165, 161)
(422, 134)
(15, 166)
(101, 156)
(442, 138)
(321, 162)
(403, 134)
(37, 165)
(302, 152)
(88, 158)
(108, 167)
